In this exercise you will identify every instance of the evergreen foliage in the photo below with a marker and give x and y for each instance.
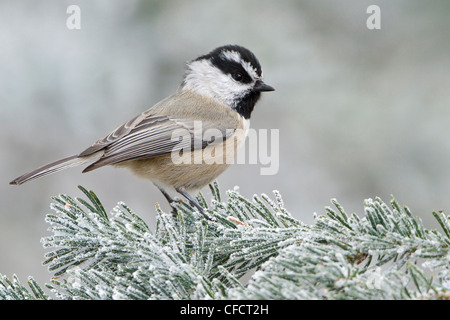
(385, 253)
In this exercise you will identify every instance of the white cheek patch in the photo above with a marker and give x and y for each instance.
(207, 80)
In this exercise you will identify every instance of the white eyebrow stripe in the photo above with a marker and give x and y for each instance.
(236, 57)
(231, 55)
(250, 70)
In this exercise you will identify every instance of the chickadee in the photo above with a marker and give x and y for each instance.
(219, 90)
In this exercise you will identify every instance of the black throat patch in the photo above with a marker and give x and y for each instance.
(245, 106)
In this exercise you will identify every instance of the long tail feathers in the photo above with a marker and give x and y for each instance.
(56, 166)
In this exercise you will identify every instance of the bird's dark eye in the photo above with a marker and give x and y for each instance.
(237, 76)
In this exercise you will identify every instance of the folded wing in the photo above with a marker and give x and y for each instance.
(148, 136)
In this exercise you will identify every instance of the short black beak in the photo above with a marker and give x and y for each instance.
(261, 86)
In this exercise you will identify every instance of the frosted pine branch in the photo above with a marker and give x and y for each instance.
(384, 253)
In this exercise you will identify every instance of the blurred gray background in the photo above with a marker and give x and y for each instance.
(361, 113)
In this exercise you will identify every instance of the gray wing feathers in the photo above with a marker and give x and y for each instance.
(154, 136)
(113, 136)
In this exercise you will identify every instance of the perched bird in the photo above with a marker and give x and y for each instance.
(218, 93)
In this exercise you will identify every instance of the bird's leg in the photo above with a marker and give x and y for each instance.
(169, 199)
(166, 195)
(183, 192)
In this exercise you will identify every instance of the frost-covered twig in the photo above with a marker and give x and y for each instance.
(386, 253)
